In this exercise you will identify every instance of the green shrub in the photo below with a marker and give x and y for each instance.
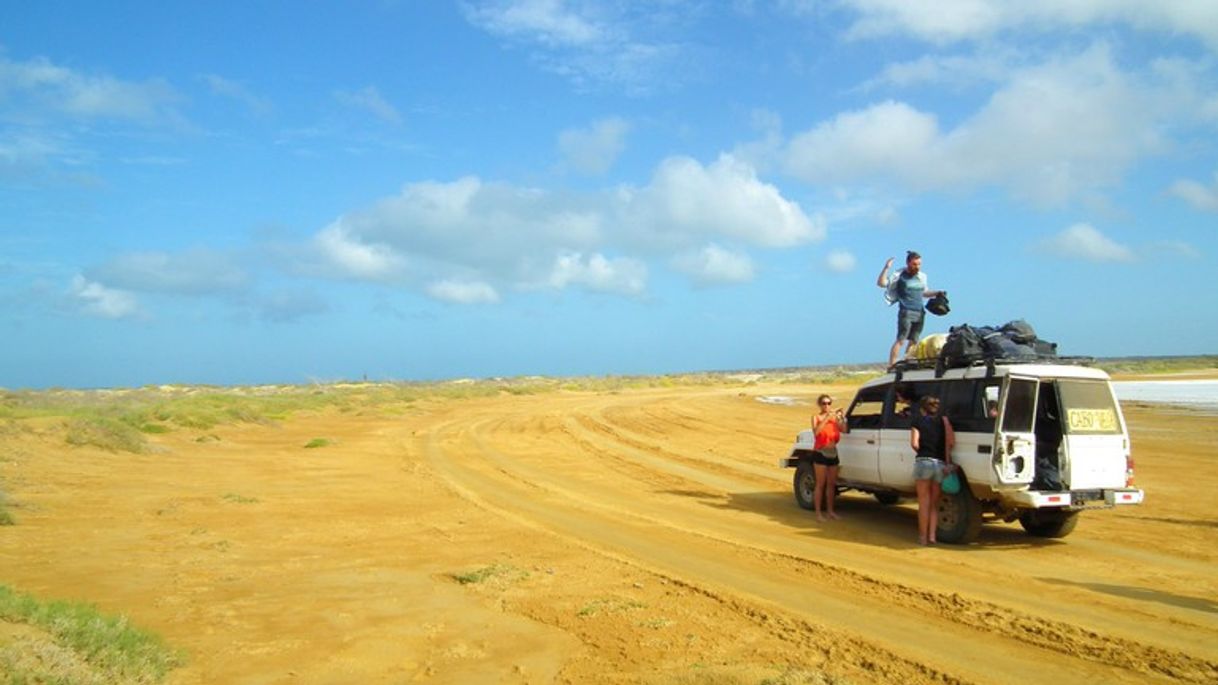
(83, 645)
(107, 433)
(316, 442)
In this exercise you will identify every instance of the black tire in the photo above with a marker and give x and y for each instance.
(959, 517)
(1049, 523)
(805, 485)
(887, 498)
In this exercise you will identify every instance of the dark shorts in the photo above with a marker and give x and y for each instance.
(909, 324)
(826, 459)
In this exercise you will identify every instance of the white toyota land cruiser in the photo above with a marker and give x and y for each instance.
(1038, 442)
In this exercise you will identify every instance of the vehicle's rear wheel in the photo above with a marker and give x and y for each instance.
(887, 498)
(959, 517)
(1049, 523)
(805, 484)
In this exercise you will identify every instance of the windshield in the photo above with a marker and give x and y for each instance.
(1090, 407)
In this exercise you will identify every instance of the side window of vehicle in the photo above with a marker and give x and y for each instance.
(867, 411)
(959, 404)
(904, 405)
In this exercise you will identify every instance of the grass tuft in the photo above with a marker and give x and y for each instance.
(239, 499)
(494, 571)
(317, 442)
(74, 643)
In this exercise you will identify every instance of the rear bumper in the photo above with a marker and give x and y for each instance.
(1078, 499)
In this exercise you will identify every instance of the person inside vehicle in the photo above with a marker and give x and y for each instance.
(932, 439)
(828, 425)
(908, 288)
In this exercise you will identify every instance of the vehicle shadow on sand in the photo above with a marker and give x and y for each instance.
(1143, 594)
(863, 521)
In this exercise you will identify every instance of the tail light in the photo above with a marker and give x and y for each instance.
(1128, 471)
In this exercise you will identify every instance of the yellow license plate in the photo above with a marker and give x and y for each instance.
(1091, 420)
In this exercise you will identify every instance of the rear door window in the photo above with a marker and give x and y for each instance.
(1020, 406)
(1089, 406)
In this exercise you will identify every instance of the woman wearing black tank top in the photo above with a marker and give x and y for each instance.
(932, 439)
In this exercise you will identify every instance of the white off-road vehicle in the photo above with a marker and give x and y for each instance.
(1037, 442)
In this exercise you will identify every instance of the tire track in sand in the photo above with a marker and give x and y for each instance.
(1017, 648)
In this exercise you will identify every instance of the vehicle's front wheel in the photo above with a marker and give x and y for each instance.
(805, 485)
(959, 517)
(1049, 523)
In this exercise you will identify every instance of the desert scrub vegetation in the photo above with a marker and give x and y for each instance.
(71, 643)
(317, 442)
(504, 572)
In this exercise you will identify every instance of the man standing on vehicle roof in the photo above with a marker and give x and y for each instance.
(907, 287)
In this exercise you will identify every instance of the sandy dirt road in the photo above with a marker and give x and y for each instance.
(636, 536)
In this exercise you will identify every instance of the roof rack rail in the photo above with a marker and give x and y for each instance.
(985, 360)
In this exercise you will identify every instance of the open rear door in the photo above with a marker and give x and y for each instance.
(1015, 437)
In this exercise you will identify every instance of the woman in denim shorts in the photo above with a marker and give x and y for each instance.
(932, 439)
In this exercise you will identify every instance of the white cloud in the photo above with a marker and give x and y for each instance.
(1053, 132)
(593, 150)
(463, 292)
(550, 22)
(369, 99)
(193, 272)
(38, 87)
(1200, 196)
(509, 236)
(590, 43)
(725, 199)
(356, 259)
(623, 276)
(840, 261)
(95, 299)
(1082, 241)
(947, 21)
(715, 265)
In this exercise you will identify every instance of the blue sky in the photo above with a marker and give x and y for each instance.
(239, 193)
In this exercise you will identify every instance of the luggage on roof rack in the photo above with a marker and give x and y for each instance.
(1014, 342)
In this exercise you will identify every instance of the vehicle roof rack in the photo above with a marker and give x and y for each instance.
(988, 361)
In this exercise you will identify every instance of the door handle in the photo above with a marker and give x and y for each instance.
(871, 442)
(985, 449)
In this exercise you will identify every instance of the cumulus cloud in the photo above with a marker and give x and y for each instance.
(355, 258)
(1051, 133)
(948, 21)
(714, 265)
(593, 150)
(101, 301)
(463, 292)
(840, 261)
(369, 99)
(1083, 241)
(622, 275)
(1199, 195)
(193, 272)
(725, 199)
(508, 236)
